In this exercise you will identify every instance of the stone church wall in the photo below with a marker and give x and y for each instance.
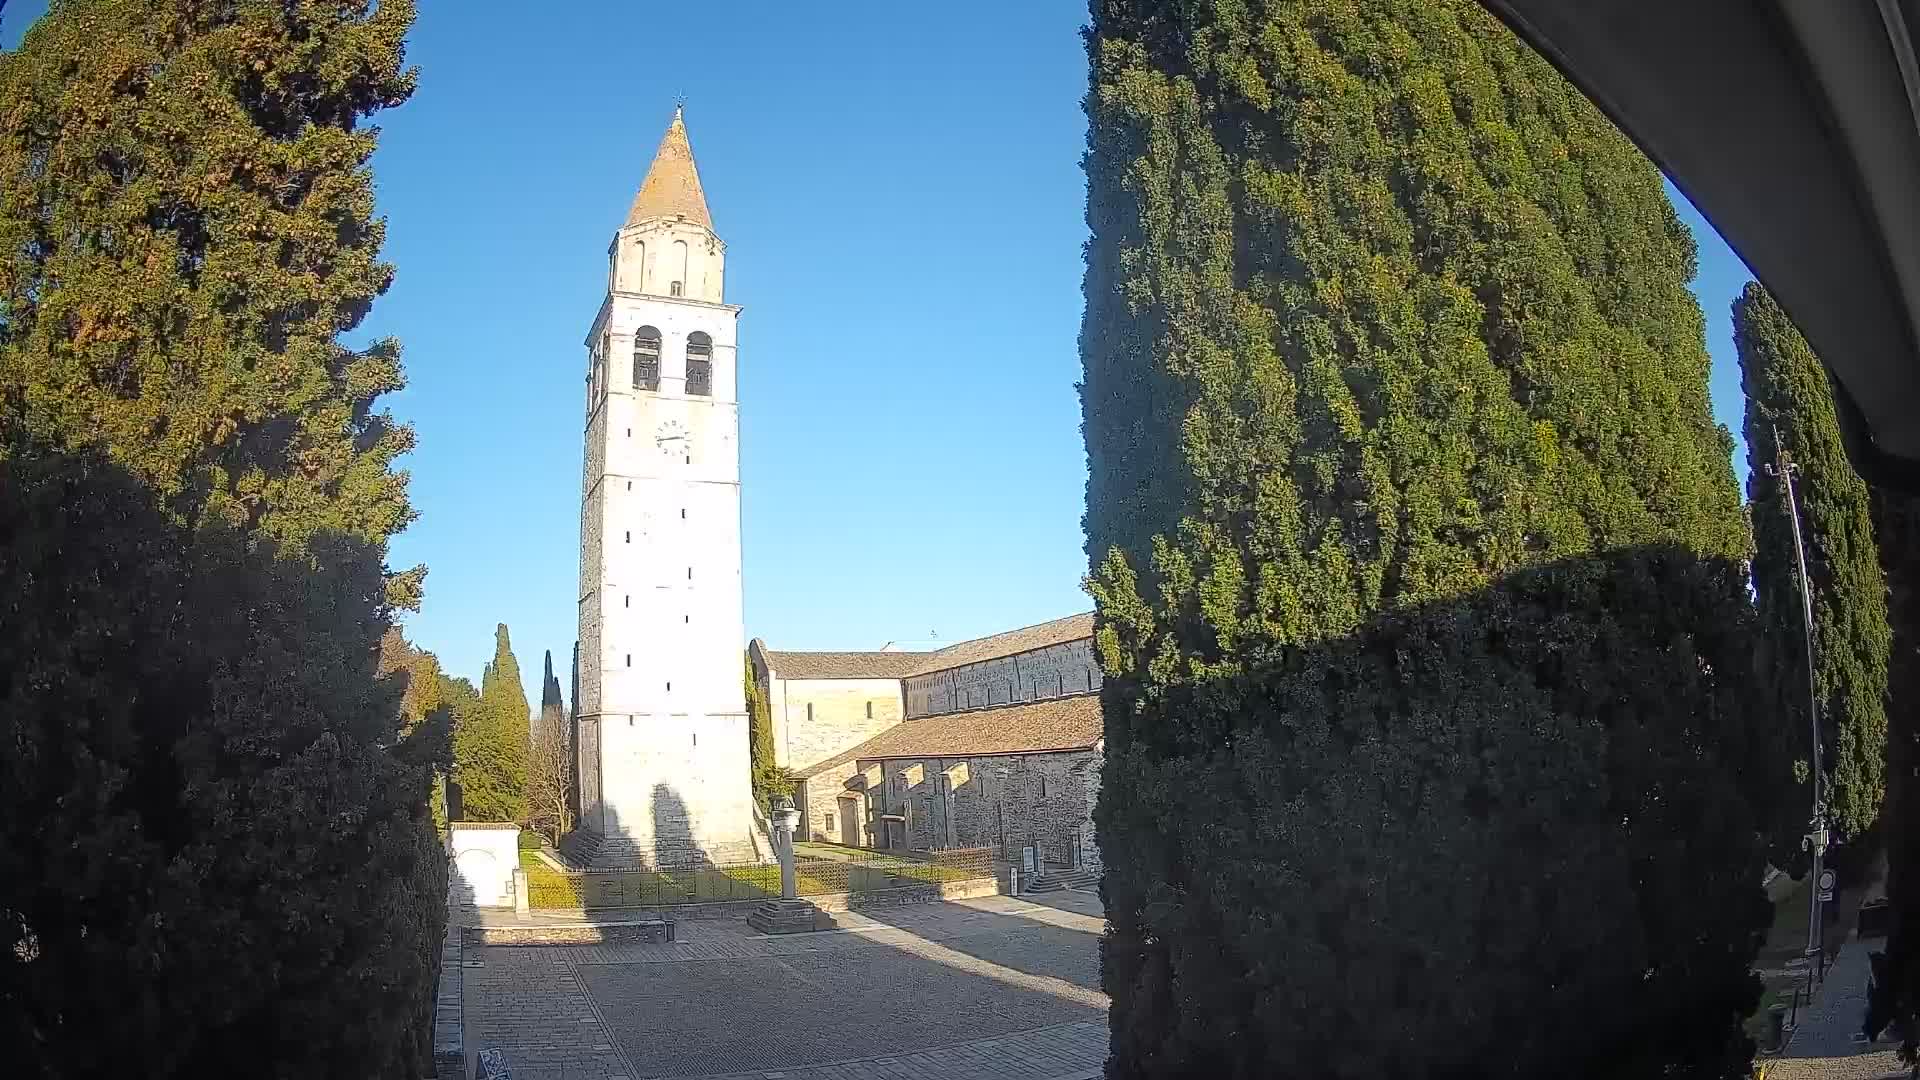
(1055, 671)
(1044, 800)
(818, 800)
(814, 719)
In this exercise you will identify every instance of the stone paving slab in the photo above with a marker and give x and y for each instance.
(1064, 1052)
(990, 989)
(532, 1004)
(1828, 1044)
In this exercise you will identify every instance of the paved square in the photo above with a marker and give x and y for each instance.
(998, 988)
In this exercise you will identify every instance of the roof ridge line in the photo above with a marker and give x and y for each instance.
(1015, 630)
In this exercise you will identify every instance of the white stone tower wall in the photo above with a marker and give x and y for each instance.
(663, 709)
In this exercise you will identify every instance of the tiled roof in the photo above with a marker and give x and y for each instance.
(1026, 639)
(672, 186)
(1068, 723)
(843, 665)
(899, 665)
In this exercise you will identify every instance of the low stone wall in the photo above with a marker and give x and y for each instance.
(615, 925)
(598, 932)
(912, 894)
(449, 1022)
(484, 856)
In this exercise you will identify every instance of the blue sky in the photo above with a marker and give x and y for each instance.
(902, 202)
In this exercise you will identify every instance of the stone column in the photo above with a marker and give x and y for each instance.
(789, 914)
(785, 820)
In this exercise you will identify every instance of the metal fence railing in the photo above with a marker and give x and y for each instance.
(840, 870)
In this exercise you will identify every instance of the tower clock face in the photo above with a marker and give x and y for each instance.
(672, 439)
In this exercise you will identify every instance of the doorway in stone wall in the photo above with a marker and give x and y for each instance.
(850, 816)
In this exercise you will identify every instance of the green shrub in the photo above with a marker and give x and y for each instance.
(1395, 403)
(1504, 834)
(1788, 394)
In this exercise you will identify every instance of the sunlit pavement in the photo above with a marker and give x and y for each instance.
(1828, 1044)
(999, 988)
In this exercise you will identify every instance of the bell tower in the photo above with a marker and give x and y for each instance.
(662, 735)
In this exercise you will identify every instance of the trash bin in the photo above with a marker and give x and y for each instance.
(1777, 1027)
(492, 1065)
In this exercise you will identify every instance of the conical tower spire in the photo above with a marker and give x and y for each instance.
(672, 186)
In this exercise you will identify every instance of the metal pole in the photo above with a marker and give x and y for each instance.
(1816, 839)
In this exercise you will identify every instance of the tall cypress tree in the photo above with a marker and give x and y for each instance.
(492, 758)
(768, 779)
(188, 226)
(472, 756)
(219, 856)
(553, 714)
(1788, 395)
(1396, 413)
(550, 769)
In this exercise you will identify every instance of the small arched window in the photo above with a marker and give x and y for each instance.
(646, 358)
(699, 364)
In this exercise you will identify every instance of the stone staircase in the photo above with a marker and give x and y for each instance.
(787, 917)
(1056, 879)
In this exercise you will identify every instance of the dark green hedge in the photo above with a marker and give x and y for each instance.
(1788, 393)
(1389, 356)
(1507, 835)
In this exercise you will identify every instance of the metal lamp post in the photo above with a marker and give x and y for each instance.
(1815, 841)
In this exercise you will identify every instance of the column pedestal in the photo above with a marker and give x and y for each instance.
(789, 914)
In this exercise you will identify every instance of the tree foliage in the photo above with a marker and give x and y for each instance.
(188, 222)
(1788, 394)
(216, 855)
(1382, 316)
(553, 712)
(768, 779)
(421, 703)
(550, 794)
(573, 732)
(1504, 834)
(215, 852)
(491, 741)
